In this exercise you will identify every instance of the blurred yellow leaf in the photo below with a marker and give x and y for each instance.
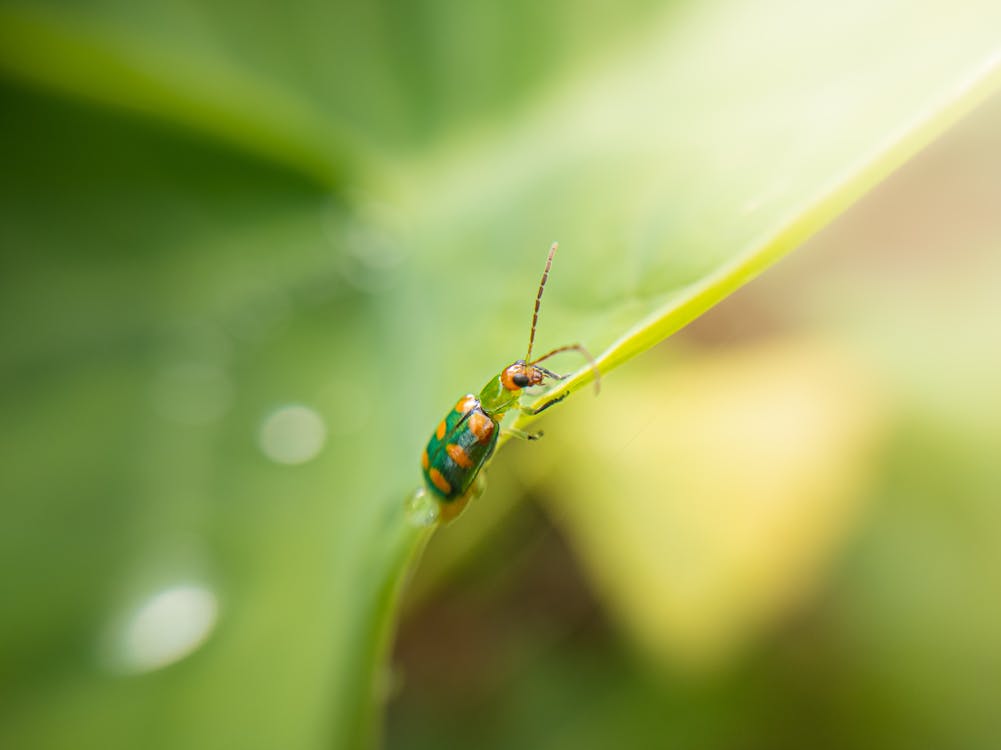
(713, 499)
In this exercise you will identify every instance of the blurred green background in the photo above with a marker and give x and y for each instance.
(785, 533)
(251, 254)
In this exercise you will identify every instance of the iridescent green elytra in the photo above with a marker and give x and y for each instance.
(465, 439)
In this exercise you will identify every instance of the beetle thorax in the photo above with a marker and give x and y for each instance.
(502, 392)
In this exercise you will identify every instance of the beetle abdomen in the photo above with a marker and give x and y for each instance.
(458, 448)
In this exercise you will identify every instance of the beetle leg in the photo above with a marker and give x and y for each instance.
(550, 402)
(521, 434)
(550, 373)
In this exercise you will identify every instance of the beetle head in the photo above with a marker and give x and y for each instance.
(520, 375)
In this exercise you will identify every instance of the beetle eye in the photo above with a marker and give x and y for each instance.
(520, 380)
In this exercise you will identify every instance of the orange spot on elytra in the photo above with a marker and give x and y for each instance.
(457, 454)
(466, 403)
(440, 432)
(424, 459)
(481, 426)
(439, 481)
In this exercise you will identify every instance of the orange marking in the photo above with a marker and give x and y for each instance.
(466, 403)
(452, 509)
(424, 459)
(506, 378)
(481, 425)
(457, 454)
(440, 482)
(440, 432)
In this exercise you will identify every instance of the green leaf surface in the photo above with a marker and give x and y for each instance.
(212, 211)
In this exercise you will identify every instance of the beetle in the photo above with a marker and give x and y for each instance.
(465, 438)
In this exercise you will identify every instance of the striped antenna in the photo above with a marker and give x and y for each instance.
(538, 299)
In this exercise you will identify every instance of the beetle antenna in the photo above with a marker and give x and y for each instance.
(584, 352)
(538, 298)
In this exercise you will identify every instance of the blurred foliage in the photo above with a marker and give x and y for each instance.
(856, 607)
(250, 253)
(716, 493)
